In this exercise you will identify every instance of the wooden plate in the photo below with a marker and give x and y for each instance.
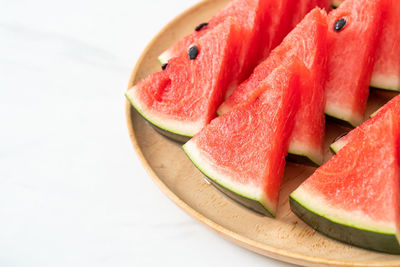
(285, 238)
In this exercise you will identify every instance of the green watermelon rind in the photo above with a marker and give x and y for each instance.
(161, 128)
(344, 231)
(376, 112)
(336, 3)
(189, 149)
(302, 158)
(375, 86)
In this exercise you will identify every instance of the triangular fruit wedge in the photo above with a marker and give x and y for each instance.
(392, 106)
(251, 15)
(386, 71)
(244, 151)
(355, 196)
(308, 42)
(353, 34)
(184, 97)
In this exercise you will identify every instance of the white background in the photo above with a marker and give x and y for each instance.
(72, 190)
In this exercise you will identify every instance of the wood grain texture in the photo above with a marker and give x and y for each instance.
(285, 238)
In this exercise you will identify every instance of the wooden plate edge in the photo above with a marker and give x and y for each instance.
(260, 248)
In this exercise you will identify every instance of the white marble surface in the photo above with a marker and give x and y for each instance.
(72, 190)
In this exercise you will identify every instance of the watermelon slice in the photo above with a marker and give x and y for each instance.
(386, 72)
(244, 150)
(264, 25)
(355, 196)
(184, 97)
(251, 15)
(392, 106)
(351, 59)
(308, 42)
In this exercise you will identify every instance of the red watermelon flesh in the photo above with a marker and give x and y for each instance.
(302, 7)
(392, 106)
(355, 196)
(308, 42)
(252, 17)
(285, 16)
(326, 4)
(279, 24)
(293, 13)
(244, 150)
(184, 97)
(351, 58)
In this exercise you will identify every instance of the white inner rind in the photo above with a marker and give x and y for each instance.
(202, 161)
(387, 82)
(343, 114)
(338, 145)
(355, 219)
(223, 108)
(185, 128)
(164, 57)
(300, 149)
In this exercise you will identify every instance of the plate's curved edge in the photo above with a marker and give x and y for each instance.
(260, 248)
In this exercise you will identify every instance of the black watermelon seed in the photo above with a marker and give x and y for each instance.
(339, 24)
(340, 136)
(164, 66)
(193, 52)
(201, 26)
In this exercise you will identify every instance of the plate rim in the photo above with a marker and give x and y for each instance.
(245, 242)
